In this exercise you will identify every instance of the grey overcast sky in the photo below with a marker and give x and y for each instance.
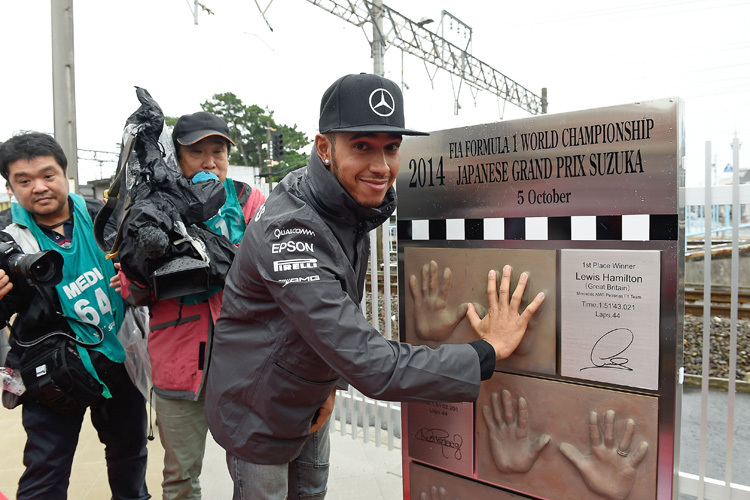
(588, 54)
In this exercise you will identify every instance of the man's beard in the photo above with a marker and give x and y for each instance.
(335, 172)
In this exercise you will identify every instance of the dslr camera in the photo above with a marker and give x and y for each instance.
(42, 268)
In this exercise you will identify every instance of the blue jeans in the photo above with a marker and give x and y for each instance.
(305, 478)
(52, 439)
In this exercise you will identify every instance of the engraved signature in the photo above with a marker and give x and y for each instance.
(441, 437)
(601, 356)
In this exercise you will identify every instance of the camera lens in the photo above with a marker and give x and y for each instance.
(42, 271)
(42, 268)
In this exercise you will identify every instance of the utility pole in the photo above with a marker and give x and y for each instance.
(378, 68)
(270, 157)
(378, 40)
(63, 84)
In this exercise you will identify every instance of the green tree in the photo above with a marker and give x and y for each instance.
(249, 129)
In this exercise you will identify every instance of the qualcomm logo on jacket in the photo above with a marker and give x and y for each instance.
(291, 264)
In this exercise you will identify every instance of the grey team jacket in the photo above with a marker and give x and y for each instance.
(291, 324)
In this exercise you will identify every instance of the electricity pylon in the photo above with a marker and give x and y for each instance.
(412, 37)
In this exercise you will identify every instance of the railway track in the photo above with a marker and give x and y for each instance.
(721, 302)
(394, 283)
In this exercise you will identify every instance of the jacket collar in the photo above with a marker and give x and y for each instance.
(331, 199)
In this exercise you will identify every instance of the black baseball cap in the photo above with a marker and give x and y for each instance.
(190, 129)
(363, 103)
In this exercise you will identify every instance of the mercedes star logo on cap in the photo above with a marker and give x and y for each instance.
(382, 102)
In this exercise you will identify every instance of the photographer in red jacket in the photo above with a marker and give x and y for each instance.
(181, 328)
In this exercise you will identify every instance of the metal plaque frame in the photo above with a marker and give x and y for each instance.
(593, 195)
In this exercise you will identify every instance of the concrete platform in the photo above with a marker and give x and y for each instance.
(359, 471)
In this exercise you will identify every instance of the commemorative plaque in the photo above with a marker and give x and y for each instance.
(610, 316)
(537, 351)
(443, 433)
(587, 204)
(568, 447)
(431, 484)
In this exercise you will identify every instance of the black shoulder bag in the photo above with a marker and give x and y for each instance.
(54, 374)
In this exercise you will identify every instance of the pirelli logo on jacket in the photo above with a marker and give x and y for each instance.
(294, 264)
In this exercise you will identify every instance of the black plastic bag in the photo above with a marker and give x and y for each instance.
(162, 213)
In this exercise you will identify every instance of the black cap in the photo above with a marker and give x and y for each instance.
(190, 129)
(363, 103)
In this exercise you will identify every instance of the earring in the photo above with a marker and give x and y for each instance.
(326, 161)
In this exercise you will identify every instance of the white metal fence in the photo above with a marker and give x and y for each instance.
(710, 199)
(373, 420)
(710, 211)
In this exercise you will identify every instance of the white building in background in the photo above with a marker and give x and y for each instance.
(249, 175)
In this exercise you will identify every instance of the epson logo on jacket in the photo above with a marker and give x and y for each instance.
(292, 246)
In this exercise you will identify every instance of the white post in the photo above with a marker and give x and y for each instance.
(708, 210)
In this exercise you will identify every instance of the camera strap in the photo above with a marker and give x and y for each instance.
(41, 339)
(113, 195)
(46, 294)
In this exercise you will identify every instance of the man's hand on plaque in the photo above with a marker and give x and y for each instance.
(513, 450)
(503, 327)
(434, 320)
(609, 470)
